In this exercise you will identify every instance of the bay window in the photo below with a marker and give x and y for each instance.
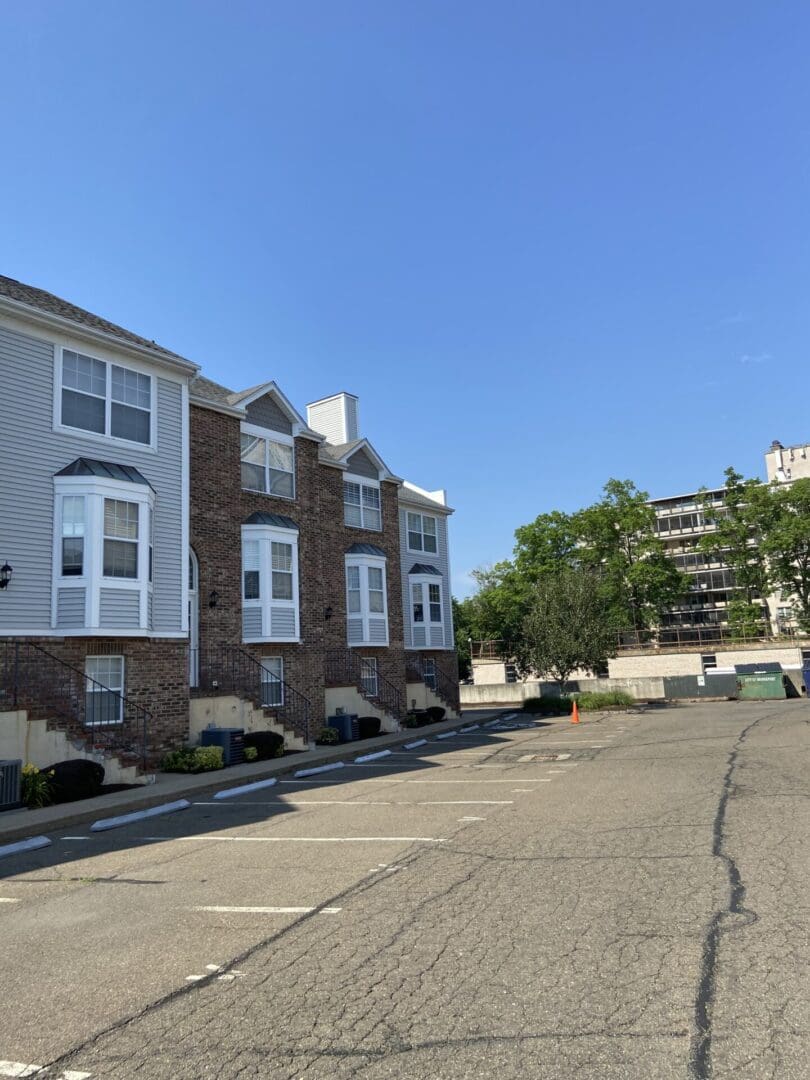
(366, 605)
(270, 605)
(102, 551)
(427, 610)
(105, 398)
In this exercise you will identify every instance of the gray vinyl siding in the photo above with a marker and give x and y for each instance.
(266, 413)
(120, 608)
(70, 608)
(27, 440)
(441, 560)
(361, 464)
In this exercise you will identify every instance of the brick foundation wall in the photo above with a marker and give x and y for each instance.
(155, 678)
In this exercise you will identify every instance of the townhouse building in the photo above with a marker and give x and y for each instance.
(303, 601)
(175, 554)
(94, 525)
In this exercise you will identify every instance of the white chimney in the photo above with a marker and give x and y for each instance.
(335, 418)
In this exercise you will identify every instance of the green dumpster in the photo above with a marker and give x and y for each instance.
(760, 681)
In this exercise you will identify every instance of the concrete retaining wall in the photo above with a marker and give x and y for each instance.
(34, 743)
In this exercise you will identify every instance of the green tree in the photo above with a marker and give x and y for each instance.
(781, 517)
(567, 626)
(736, 537)
(617, 537)
(545, 543)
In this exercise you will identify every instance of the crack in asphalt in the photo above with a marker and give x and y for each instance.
(700, 1053)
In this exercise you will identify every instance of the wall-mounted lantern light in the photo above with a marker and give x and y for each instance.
(328, 612)
(213, 598)
(5, 575)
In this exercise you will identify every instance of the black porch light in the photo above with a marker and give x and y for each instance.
(327, 612)
(5, 575)
(213, 598)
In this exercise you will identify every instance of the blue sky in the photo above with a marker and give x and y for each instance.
(545, 243)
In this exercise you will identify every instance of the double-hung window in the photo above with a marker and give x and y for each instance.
(102, 557)
(427, 610)
(422, 533)
(361, 505)
(366, 604)
(105, 398)
(268, 463)
(270, 606)
(272, 681)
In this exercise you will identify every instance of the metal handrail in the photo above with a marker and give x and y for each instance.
(443, 685)
(229, 669)
(33, 679)
(345, 668)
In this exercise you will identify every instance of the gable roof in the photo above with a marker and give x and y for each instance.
(207, 392)
(339, 455)
(28, 296)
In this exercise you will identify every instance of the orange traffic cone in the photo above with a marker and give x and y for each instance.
(575, 714)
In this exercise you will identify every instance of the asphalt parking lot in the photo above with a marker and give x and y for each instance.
(627, 897)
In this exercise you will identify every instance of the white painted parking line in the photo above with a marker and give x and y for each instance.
(19, 1068)
(525, 780)
(562, 757)
(309, 839)
(9, 900)
(465, 802)
(472, 819)
(270, 910)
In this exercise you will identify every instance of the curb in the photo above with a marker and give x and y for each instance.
(31, 844)
(21, 824)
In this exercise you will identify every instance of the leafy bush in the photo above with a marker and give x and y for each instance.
(548, 704)
(411, 720)
(193, 759)
(268, 744)
(328, 736)
(251, 753)
(610, 699)
(36, 787)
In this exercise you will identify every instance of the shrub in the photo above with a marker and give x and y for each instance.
(36, 787)
(268, 744)
(411, 720)
(193, 759)
(76, 778)
(436, 713)
(328, 736)
(548, 704)
(610, 699)
(251, 753)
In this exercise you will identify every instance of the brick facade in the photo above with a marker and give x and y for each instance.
(219, 507)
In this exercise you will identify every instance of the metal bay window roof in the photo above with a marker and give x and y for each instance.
(366, 549)
(261, 517)
(423, 568)
(106, 470)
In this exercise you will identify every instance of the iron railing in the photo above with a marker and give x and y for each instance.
(40, 683)
(442, 684)
(346, 668)
(227, 669)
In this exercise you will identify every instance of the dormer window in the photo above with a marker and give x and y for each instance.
(361, 504)
(268, 463)
(105, 399)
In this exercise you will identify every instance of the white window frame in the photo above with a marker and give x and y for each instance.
(421, 550)
(268, 436)
(92, 690)
(424, 580)
(371, 485)
(267, 535)
(109, 362)
(364, 563)
(95, 490)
